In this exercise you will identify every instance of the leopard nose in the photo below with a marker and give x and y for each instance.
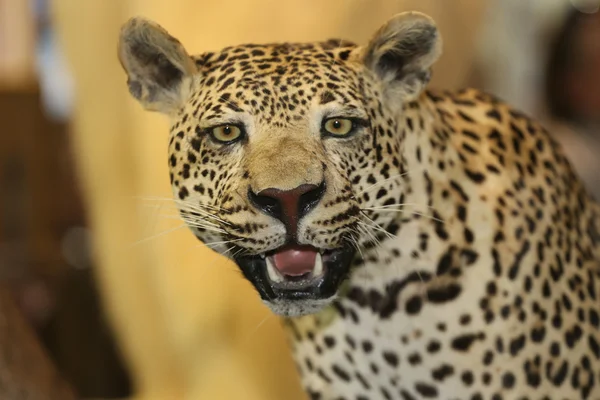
(288, 206)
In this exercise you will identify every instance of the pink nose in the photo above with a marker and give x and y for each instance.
(288, 206)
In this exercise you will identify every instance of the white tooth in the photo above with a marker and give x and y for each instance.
(318, 270)
(272, 271)
(262, 256)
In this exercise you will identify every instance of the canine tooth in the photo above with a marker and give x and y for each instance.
(272, 272)
(262, 256)
(318, 270)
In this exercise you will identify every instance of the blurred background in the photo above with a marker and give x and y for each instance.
(119, 298)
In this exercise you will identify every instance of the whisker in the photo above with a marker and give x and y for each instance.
(354, 242)
(377, 226)
(372, 237)
(261, 323)
(384, 181)
(387, 206)
(221, 242)
(197, 219)
(189, 211)
(205, 225)
(178, 201)
(237, 253)
(157, 235)
(413, 212)
(229, 249)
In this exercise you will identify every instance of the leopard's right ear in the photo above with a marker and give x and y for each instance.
(159, 70)
(402, 52)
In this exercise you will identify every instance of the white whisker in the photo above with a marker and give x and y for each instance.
(261, 323)
(384, 181)
(372, 238)
(157, 235)
(412, 212)
(222, 242)
(377, 226)
(388, 206)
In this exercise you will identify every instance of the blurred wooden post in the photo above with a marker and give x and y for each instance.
(25, 370)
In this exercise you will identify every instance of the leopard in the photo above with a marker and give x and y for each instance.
(416, 242)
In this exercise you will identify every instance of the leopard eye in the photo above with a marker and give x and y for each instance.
(226, 133)
(338, 126)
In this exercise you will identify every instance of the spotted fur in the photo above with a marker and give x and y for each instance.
(476, 275)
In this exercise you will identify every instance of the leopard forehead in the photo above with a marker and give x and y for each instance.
(277, 83)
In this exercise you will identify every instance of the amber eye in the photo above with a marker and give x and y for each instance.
(338, 126)
(226, 133)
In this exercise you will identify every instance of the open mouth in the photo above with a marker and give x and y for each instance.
(297, 272)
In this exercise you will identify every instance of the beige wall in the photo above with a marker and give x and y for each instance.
(189, 326)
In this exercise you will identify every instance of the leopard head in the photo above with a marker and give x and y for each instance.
(273, 148)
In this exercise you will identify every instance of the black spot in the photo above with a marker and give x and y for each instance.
(494, 114)
(469, 256)
(461, 212)
(414, 359)
(467, 378)
(413, 305)
(350, 342)
(441, 373)
(329, 341)
(391, 358)
(508, 380)
(538, 334)
(340, 373)
(344, 54)
(560, 375)
(463, 342)
(443, 294)
(426, 390)
(573, 335)
(183, 193)
(514, 269)
(326, 97)
(406, 395)
(434, 346)
(458, 189)
(475, 176)
(517, 344)
(465, 116)
(445, 262)
(488, 358)
(594, 346)
(226, 84)
(465, 319)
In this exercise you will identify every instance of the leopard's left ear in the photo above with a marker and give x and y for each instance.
(402, 52)
(159, 70)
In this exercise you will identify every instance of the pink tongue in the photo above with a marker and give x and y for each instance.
(295, 260)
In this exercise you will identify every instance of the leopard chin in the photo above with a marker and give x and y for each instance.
(297, 280)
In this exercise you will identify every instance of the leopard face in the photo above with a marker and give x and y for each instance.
(275, 149)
